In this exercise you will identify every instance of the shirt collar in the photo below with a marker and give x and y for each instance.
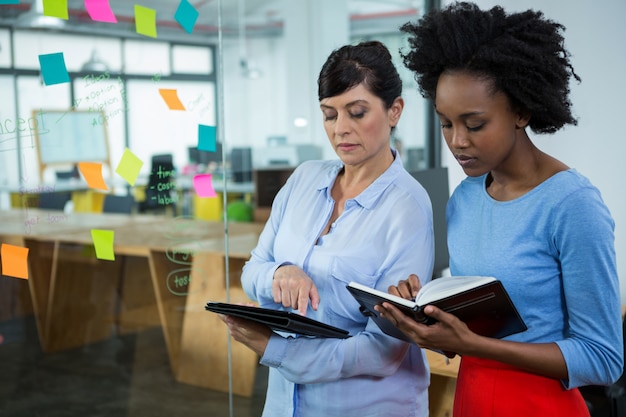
(368, 198)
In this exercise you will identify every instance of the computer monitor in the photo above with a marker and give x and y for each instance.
(267, 182)
(241, 164)
(197, 156)
(435, 181)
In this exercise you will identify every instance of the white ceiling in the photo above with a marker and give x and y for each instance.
(261, 16)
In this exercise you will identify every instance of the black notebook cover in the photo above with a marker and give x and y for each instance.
(284, 321)
(487, 310)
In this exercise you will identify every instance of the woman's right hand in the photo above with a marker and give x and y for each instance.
(293, 288)
(406, 288)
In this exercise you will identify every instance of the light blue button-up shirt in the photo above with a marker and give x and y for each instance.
(382, 236)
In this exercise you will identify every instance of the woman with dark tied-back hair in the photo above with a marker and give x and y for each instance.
(359, 218)
(521, 216)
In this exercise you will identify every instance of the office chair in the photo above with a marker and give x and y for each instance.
(160, 190)
(616, 392)
(54, 200)
(609, 401)
(118, 204)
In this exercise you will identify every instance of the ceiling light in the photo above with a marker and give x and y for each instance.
(95, 64)
(35, 19)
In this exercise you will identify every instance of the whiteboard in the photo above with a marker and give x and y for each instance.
(71, 137)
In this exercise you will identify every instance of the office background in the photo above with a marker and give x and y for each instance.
(257, 82)
(283, 46)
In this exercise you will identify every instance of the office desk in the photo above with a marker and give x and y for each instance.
(203, 359)
(75, 295)
(442, 383)
(63, 279)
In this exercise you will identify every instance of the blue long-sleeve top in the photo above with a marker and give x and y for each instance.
(553, 249)
(382, 236)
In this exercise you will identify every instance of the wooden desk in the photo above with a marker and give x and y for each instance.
(20, 225)
(203, 357)
(75, 295)
(442, 383)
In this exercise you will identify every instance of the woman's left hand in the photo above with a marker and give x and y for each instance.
(448, 334)
(254, 335)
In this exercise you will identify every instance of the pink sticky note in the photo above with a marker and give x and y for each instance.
(100, 11)
(203, 184)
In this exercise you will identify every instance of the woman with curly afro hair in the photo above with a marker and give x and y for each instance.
(521, 215)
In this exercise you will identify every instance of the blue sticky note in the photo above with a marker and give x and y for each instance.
(206, 138)
(186, 15)
(53, 69)
(9, 2)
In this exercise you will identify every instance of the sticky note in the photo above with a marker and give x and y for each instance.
(186, 15)
(55, 8)
(103, 243)
(203, 184)
(9, 2)
(53, 68)
(14, 261)
(92, 172)
(129, 167)
(171, 99)
(145, 21)
(206, 138)
(100, 11)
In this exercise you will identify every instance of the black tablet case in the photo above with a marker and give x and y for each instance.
(280, 320)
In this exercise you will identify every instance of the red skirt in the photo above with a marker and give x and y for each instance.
(487, 388)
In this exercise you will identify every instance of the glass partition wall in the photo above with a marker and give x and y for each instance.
(138, 162)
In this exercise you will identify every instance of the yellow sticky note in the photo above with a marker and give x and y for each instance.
(171, 99)
(129, 167)
(92, 172)
(14, 261)
(145, 21)
(103, 243)
(55, 8)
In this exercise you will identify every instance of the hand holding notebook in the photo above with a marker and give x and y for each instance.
(481, 302)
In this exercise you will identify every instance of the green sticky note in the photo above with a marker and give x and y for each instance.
(55, 8)
(129, 167)
(145, 21)
(103, 243)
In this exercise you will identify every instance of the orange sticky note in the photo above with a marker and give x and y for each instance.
(203, 184)
(92, 171)
(14, 261)
(171, 99)
(103, 243)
